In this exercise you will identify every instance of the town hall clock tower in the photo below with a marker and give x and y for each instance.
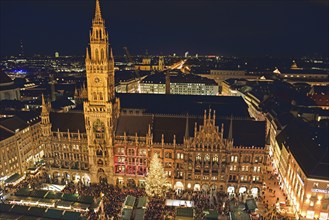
(101, 110)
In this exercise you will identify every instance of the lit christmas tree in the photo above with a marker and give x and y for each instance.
(155, 183)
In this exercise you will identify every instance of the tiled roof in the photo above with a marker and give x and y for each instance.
(309, 146)
(73, 121)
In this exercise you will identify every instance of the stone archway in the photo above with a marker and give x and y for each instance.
(205, 187)
(197, 187)
(242, 189)
(131, 183)
(231, 189)
(254, 191)
(102, 178)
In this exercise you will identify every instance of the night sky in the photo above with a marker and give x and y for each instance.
(229, 28)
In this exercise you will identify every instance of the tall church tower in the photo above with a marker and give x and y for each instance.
(102, 108)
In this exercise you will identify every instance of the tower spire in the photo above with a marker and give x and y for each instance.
(98, 14)
(43, 105)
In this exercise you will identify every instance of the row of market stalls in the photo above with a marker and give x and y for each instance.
(20, 211)
(133, 208)
(14, 179)
(243, 210)
(51, 199)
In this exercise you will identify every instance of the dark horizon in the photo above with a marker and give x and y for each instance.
(224, 28)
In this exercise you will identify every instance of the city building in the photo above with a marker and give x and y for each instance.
(20, 143)
(114, 137)
(183, 84)
(8, 90)
(301, 158)
(148, 65)
(314, 77)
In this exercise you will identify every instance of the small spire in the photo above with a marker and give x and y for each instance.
(43, 105)
(98, 14)
(111, 53)
(87, 54)
(149, 130)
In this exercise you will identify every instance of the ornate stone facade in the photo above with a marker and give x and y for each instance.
(113, 145)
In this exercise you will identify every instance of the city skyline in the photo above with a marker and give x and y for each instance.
(253, 28)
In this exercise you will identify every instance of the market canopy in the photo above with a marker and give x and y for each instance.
(142, 202)
(211, 215)
(139, 214)
(239, 215)
(126, 214)
(19, 209)
(70, 197)
(53, 213)
(86, 199)
(5, 207)
(13, 178)
(38, 193)
(68, 215)
(251, 204)
(130, 201)
(184, 213)
(23, 192)
(37, 211)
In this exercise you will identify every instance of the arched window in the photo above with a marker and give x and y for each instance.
(96, 34)
(100, 96)
(102, 54)
(198, 157)
(94, 96)
(99, 152)
(96, 54)
(100, 34)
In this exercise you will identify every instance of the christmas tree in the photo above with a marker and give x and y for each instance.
(155, 183)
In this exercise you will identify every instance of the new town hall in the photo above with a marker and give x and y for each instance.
(205, 142)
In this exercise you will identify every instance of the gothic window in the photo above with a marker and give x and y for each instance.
(94, 96)
(99, 152)
(168, 155)
(100, 162)
(102, 54)
(96, 54)
(100, 34)
(198, 158)
(100, 96)
(180, 156)
(206, 158)
(131, 152)
(96, 34)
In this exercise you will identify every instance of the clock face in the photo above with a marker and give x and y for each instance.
(97, 80)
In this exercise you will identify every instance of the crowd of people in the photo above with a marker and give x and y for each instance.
(113, 198)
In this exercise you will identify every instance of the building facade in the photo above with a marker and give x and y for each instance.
(20, 144)
(107, 143)
(181, 84)
(8, 90)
